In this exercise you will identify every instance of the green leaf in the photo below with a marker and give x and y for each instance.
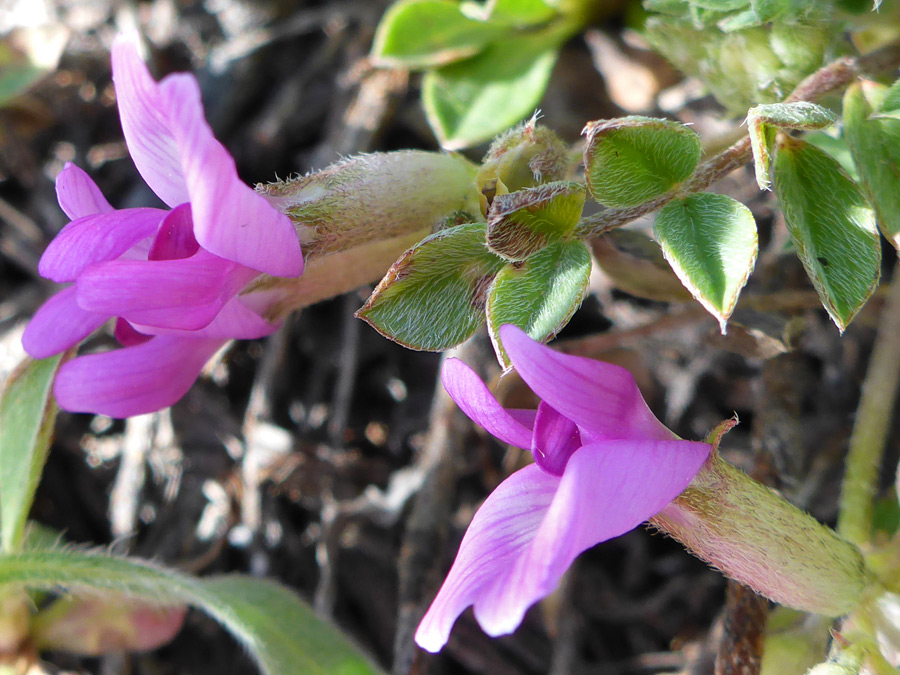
(27, 414)
(471, 101)
(280, 631)
(832, 227)
(541, 294)
(710, 241)
(875, 146)
(762, 138)
(762, 120)
(721, 5)
(27, 55)
(630, 160)
(835, 145)
(425, 33)
(890, 105)
(738, 21)
(433, 297)
(512, 12)
(741, 68)
(770, 10)
(523, 222)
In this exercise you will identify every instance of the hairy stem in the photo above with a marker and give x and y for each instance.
(835, 75)
(873, 422)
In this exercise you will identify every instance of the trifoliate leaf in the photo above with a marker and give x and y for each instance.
(832, 227)
(539, 295)
(433, 297)
(632, 159)
(710, 241)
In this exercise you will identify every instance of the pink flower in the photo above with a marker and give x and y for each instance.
(603, 465)
(171, 278)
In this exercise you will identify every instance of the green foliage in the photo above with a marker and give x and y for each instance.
(470, 101)
(433, 297)
(832, 227)
(18, 71)
(632, 159)
(739, 51)
(710, 241)
(424, 33)
(27, 414)
(539, 295)
(521, 223)
(763, 120)
(487, 64)
(795, 642)
(280, 631)
(835, 145)
(875, 145)
(514, 12)
(890, 106)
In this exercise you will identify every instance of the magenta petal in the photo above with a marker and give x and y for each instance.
(78, 194)
(133, 380)
(523, 417)
(608, 489)
(175, 237)
(234, 322)
(96, 238)
(600, 397)
(555, 439)
(143, 111)
(127, 336)
(230, 219)
(185, 294)
(59, 324)
(500, 533)
(476, 401)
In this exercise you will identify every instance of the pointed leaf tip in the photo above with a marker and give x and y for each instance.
(710, 241)
(832, 227)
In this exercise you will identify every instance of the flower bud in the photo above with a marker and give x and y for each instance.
(356, 217)
(754, 536)
(523, 157)
(375, 197)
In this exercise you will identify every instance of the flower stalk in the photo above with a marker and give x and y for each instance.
(873, 422)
